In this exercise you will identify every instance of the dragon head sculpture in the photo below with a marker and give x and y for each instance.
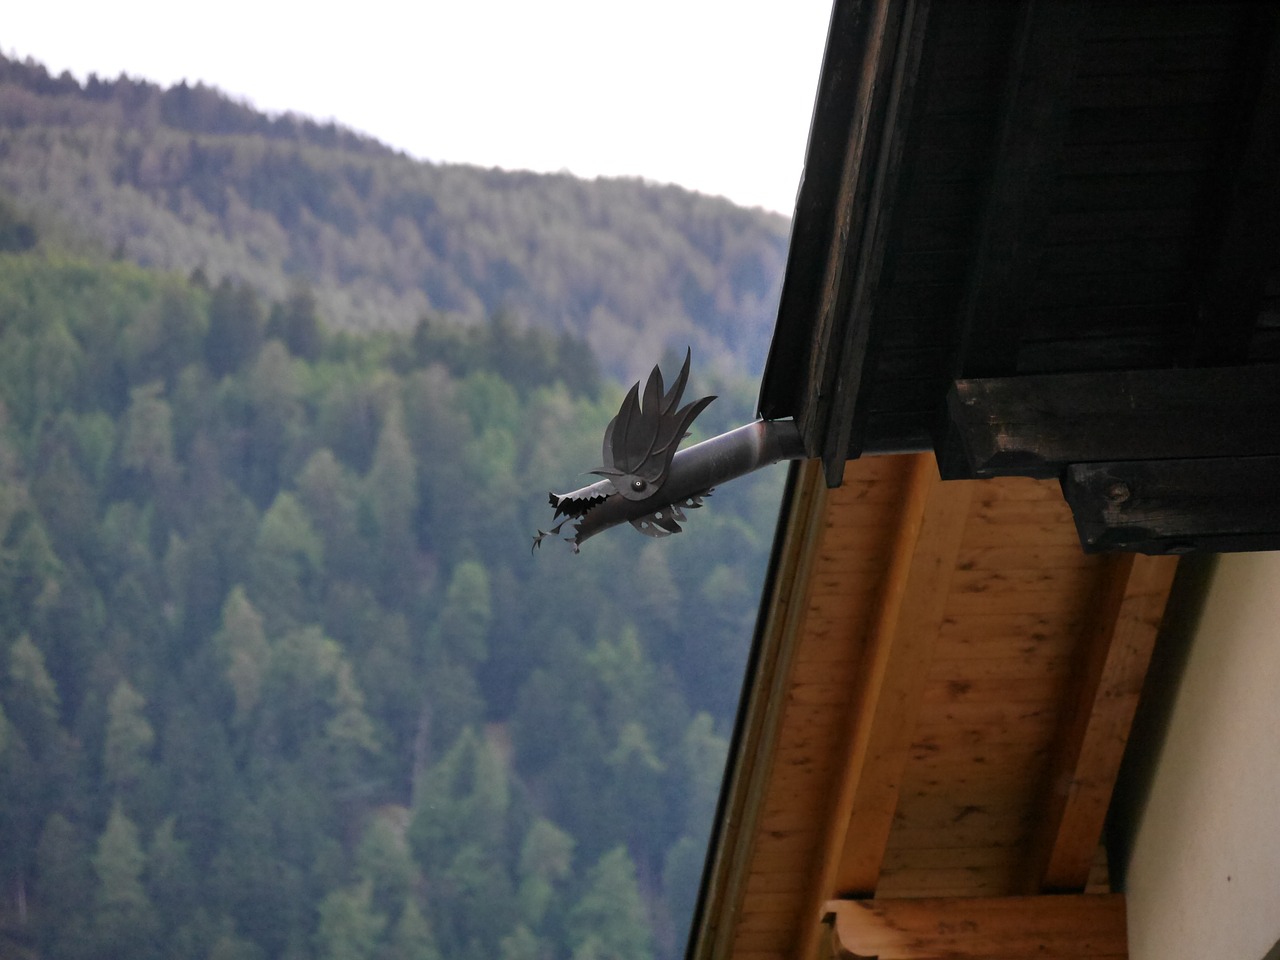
(648, 482)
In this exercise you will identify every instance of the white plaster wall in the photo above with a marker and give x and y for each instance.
(1204, 877)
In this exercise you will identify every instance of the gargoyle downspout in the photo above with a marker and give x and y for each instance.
(648, 483)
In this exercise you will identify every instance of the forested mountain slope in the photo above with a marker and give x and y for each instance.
(279, 676)
(185, 178)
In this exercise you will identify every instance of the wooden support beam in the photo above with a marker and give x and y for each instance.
(1085, 927)
(1096, 719)
(1176, 506)
(1036, 425)
(884, 707)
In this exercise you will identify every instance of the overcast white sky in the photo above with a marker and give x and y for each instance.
(715, 95)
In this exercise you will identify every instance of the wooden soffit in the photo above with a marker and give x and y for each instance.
(944, 688)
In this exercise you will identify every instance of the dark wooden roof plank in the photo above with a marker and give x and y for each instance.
(1033, 125)
(1248, 222)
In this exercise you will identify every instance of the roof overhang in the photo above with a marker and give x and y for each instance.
(1036, 252)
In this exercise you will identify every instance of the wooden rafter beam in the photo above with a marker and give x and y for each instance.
(884, 707)
(1097, 717)
(997, 928)
(1176, 506)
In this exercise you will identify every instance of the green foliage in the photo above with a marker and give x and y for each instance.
(546, 861)
(349, 927)
(32, 692)
(17, 233)
(411, 937)
(608, 922)
(383, 860)
(125, 923)
(278, 676)
(242, 644)
(129, 737)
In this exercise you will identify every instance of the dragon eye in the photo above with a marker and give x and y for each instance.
(638, 485)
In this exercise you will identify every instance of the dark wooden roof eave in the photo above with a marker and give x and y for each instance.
(865, 88)
(999, 190)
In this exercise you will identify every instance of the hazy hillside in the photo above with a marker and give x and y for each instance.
(186, 178)
(279, 676)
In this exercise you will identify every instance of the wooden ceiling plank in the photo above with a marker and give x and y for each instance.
(733, 849)
(1097, 718)
(932, 881)
(1046, 927)
(896, 669)
(888, 694)
(946, 858)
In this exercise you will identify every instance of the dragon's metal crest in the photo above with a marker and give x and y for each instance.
(647, 481)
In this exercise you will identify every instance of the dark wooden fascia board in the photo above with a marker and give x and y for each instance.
(816, 359)
(1036, 426)
(822, 219)
(852, 367)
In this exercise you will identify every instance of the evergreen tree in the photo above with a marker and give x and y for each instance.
(146, 446)
(129, 737)
(609, 922)
(64, 885)
(242, 645)
(296, 321)
(287, 562)
(236, 327)
(125, 923)
(467, 613)
(349, 927)
(171, 880)
(391, 489)
(546, 860)
(411, 937)
(383, 859)
(32, 698)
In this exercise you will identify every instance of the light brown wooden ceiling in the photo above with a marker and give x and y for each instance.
(944, 690)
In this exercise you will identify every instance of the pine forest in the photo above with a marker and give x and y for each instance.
(280, 676)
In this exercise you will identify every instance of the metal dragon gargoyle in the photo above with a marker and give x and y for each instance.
(647, 481)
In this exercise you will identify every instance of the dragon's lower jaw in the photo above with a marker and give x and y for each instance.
(694, 471)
